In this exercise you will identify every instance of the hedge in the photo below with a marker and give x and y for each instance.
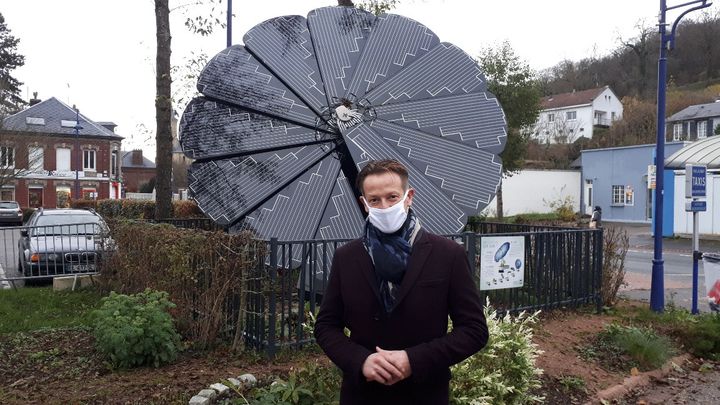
(138, 209)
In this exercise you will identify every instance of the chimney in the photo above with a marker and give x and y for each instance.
(137, 157)
(34, 100)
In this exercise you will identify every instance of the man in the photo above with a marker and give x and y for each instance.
(394, 289)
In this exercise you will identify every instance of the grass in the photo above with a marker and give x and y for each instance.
(33, 308)
(644, 346)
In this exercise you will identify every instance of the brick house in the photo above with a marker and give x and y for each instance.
(41, 156)
(137, 170)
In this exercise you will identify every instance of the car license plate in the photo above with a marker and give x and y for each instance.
(77, 268)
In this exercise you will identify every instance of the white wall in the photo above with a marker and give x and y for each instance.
(609, 103)
(710, 219)
(532, 190)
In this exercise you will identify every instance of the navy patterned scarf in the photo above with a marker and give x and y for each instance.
(389, 254)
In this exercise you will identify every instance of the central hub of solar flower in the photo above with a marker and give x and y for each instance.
(346, 117)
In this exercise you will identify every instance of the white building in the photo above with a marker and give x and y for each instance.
(566, 117)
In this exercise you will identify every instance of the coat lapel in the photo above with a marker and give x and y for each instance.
(420, 252)
(368, 270)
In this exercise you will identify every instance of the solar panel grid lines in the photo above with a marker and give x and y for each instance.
(236, 77)
(420, 80)
(339, 35)
(283, 45)
(223, 130)
(473, 118)
(434, 206)
(444, 160)
(395, 42)
(274, 156)
(299, 215)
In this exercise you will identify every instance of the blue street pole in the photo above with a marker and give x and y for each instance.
(657, 285)
(229, 24)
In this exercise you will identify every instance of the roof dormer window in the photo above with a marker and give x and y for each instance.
(68, 123)
(34, 121)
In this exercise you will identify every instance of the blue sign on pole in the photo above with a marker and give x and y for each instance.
(696, 206)
(695, 181)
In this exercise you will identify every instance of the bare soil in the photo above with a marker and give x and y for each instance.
(62, 366)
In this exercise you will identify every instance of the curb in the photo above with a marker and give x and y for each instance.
(640, 380)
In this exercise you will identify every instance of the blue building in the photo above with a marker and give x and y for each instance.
(616, 179)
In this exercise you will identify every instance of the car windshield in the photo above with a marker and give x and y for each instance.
(8, 205)
(71, 224)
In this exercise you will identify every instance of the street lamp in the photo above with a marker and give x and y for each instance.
(78, 160)
(667, 42)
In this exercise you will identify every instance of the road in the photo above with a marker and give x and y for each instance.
(677, 255)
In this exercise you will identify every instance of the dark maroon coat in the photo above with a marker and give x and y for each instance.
(437, 283)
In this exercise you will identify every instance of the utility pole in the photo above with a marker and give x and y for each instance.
(667, 42)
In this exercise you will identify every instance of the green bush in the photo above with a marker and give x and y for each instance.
(136, 330)
(138, 209)
(644, 346)
(504, 371)
(314, 384)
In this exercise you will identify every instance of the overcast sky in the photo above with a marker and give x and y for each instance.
(100, 54)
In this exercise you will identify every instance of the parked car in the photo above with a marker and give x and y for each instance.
(11, 213)
(63, 241)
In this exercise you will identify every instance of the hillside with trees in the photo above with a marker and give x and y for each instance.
(631, 71)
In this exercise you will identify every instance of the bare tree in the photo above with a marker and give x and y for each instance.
(641, 46)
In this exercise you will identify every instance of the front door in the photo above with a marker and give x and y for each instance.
(588, 197)
(35, 197)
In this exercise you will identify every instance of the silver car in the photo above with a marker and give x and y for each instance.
(63, 241)
(11, 213)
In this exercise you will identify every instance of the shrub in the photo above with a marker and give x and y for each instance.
(315, 384)
(643, 345)
(504, 372)
(136, 330)
(615, 247)
(207, 275)
(563, 207)
(138, 209)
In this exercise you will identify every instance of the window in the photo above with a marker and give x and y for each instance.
(702, 129)
(612, 116)
(62, 196)
(571, 115)
(36, 159)
(618, 195)
(7, 157)
(677, 132)
(113, 163)
(7, 193)
(88, 160)
(551, 117)
(62, 159)
(89, 193)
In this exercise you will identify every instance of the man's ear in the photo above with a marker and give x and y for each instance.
(409, 199)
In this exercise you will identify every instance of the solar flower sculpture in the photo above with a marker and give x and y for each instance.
(286, 121)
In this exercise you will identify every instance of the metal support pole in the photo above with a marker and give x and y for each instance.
(696, 254)
(657, 286)
(229, 24)
(78, 158)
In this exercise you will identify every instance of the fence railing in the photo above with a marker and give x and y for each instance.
(44, 252)
(563, 268)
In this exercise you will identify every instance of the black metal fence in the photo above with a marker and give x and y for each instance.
(562, 268)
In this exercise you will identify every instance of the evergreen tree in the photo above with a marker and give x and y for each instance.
(10, 100)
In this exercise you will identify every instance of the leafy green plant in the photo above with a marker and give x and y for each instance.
(136, 330)
(643, 345)
(564, 207)
(504, 372)
(314, 384)
(572, 383)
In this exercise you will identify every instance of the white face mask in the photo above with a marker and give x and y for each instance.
(388, 220)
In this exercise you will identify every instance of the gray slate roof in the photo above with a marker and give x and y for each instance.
(703, 152)
(126, 161)
(53, 111)
(696, 112)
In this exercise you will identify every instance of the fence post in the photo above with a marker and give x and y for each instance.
(471, 250)
(599, 271)
(271, 347)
